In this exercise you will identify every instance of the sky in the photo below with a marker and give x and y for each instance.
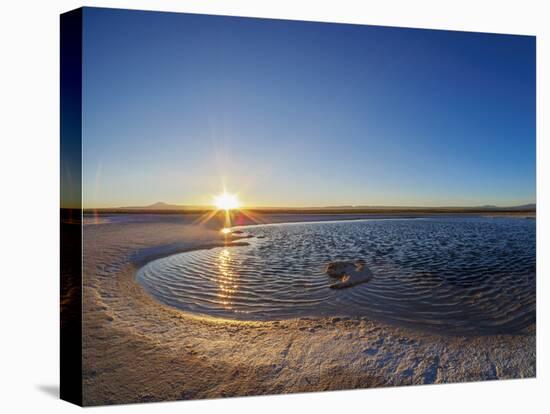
(178, 107)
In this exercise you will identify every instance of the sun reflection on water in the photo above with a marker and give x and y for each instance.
(227, 280)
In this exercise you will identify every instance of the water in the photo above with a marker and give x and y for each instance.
(451, 275)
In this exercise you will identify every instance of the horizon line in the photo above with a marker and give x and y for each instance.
(169, 206)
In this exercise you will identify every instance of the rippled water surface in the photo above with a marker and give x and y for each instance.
(455, 275)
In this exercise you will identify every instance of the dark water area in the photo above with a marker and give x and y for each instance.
(455, 276)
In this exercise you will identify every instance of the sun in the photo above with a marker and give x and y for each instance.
(226, 202)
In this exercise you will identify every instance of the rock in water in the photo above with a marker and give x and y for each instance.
(349, 273)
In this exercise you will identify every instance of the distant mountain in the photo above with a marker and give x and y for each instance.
(522, 207)
(531, 206)
(164, 206)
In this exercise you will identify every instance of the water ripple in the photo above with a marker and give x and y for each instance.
(458, 276)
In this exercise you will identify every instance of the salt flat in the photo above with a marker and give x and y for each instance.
(136, 349)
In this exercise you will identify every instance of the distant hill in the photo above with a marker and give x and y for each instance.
(165, 206)
(522, 207)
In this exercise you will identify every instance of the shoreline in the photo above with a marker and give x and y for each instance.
(91, 218)
(130, 335)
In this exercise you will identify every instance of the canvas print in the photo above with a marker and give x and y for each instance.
(260, 206)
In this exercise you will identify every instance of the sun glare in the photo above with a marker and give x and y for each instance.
(226, 202)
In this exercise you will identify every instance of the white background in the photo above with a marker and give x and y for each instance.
(29, 194)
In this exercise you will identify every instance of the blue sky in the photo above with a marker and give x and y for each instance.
(287, 113)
